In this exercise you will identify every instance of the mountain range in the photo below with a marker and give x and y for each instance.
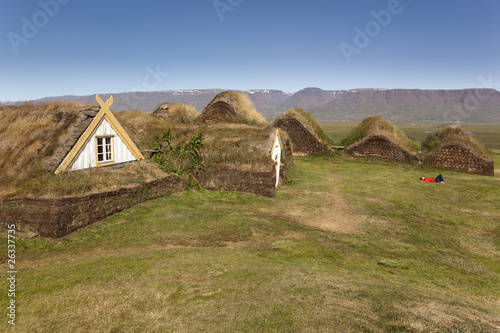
(397, 105)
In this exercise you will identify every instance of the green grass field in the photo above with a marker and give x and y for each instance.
(347, 246)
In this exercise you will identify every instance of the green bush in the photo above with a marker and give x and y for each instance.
(183, 159)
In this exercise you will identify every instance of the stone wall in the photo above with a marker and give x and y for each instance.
(304, 142)
(227, 179)
(381, 147)
(459, 158)
(59, 216)
(219, 112)
(286, 153)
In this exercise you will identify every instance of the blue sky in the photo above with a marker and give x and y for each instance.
(80, 47)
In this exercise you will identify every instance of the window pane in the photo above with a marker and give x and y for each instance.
(104, 149)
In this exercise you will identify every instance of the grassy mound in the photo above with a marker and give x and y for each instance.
(454, 134)
(177, 112)
(29, 134)
(48, 185)
(237, 146)
(377, 125)
(141, 127)
(310, 123)
(238, 104)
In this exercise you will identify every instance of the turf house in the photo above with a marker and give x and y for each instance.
(177, 112)
(376, 137)
(450, 147)
(103, 143)
(43, 186)
(245, 158)
(230, 107)
(307, 136)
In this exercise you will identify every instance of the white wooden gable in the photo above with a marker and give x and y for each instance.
(276, 155)
(86, 151)
(88, 155)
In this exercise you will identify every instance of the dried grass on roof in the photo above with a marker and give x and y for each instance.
(309, 122)
(240, 146)
(454, 134)
(177, 112)
(96, 180)
(30, 135)
(377, 125)
(142, 127)
(232, 106)
(237, 146)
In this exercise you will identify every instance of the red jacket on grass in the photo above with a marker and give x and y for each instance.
(438, 179)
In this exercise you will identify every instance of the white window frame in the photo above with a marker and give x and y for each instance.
(106, 143)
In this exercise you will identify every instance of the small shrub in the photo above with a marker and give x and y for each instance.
(181, 159)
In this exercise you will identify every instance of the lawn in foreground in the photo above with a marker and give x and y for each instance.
(409, 257)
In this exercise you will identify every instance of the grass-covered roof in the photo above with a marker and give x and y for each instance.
(454, 134)
(229, 145)
(32, 134)
(29, 134)
(177, 112)
(35, 137)
(231, 106)
(309, 122)
(377, 125)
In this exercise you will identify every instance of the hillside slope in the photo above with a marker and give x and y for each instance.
(398, 105)
(309, 98)
(413, 105)
(199, 98)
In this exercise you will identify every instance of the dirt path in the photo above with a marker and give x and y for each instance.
(333, 214)
(328, 212)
